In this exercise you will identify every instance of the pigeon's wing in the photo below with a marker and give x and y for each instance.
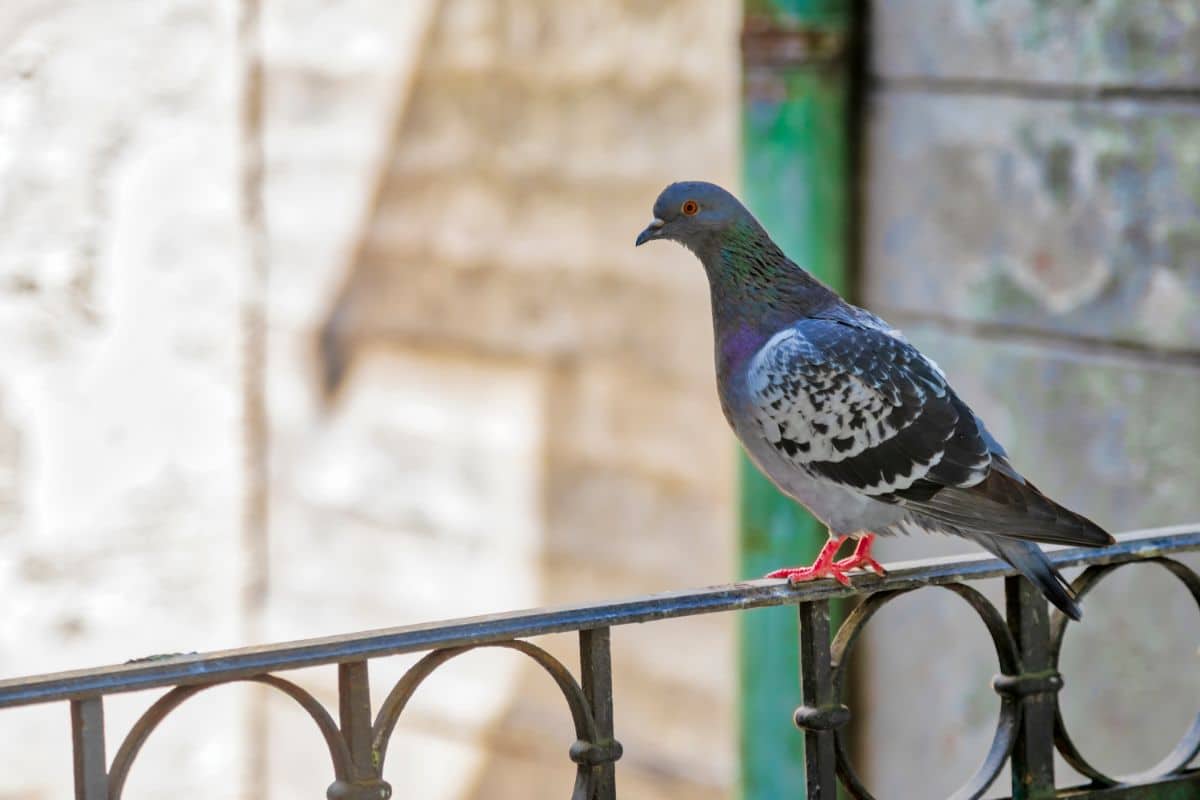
(862, 408)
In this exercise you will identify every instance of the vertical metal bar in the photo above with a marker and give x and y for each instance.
(354, 716)
(816, 691)
(354, 721)
(87, 741)
(1033, 755)
(796, 166)
(595, 658)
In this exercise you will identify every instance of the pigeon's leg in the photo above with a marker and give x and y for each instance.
(823, 567)
(861, 557)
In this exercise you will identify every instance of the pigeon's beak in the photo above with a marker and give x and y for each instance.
(653, 231)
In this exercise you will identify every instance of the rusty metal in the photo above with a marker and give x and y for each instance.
(245, 662)
(354, 718)
(1010, 670)
(1185, 751)
(1027, 640)
(87, 739)
(590, 752)
(153, 717)
(1033, 756)
(595, 671)
(766, 42)
(822, 713)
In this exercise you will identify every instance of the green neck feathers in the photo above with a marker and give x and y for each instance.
(754, 284)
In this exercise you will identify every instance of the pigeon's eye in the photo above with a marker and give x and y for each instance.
(690, 207)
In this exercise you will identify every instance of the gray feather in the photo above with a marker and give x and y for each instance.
(1005, 504)
(1033, 564)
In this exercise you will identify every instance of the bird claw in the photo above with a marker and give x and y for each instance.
(795, 575)
(861, 562)
(826, 567)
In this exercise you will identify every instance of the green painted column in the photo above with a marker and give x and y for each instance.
(797, 144)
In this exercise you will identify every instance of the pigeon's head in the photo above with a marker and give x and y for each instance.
(694, 213)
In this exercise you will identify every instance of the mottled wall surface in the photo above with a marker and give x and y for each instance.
(119, 289)
(1054, 216)
(1081, 43)
(1031, 222)
(521, 408)
(536, 137)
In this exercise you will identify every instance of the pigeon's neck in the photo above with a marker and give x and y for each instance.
(757, 291)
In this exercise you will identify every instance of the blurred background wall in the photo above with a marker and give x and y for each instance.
(1031, 219)
(478, 395)
(473, 394)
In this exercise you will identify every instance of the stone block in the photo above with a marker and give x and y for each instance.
(1062, 217)
(613, 517)
(607, 412)
(1092, 44)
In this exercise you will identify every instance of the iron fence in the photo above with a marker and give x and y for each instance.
(1027, 638)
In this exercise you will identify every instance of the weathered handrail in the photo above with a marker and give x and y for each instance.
(224, 665)
(1028, 681)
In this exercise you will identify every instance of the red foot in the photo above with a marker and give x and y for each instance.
(861, 557)
(796, 575)
(825, 567)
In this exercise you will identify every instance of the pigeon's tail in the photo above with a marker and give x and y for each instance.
(1005, 504)
(1033, 564)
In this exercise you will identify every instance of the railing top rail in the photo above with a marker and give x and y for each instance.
(243, 662)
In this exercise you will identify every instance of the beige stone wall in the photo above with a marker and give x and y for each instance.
(521, 407)
(535, 138)
(119, 257)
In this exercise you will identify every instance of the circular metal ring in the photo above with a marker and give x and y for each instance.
(586, 752)
(159, 710)
(1188, 746)
(1010, 710)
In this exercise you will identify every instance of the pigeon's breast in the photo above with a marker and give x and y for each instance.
(843, 510)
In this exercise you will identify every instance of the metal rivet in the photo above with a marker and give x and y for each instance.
(1028, 683)
(823, 718)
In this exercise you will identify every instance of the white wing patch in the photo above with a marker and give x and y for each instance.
(830, 414)
(819, 405)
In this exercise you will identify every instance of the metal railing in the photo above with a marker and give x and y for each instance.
(1027, 640)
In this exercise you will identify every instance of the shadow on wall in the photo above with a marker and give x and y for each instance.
(516, 399)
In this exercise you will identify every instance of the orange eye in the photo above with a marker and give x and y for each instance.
(690, 207)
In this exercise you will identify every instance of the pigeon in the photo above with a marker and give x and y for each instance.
(847, 417)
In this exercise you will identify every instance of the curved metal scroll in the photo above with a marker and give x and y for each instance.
(1188, 746)
(587, 752)
(1010, 710)
(157, 712)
